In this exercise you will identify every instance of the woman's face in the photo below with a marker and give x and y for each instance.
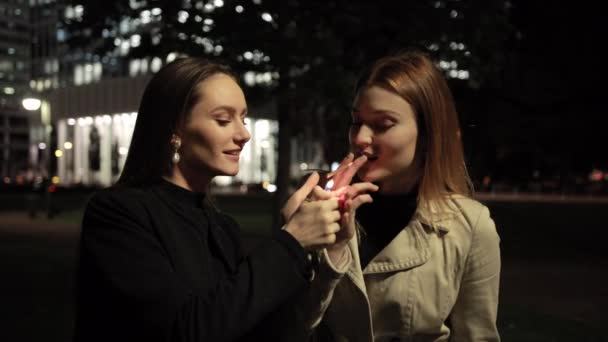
(214, 133)
(384, 128)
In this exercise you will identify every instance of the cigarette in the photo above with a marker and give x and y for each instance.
(333, 173)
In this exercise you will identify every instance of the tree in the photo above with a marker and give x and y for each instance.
(309, 52)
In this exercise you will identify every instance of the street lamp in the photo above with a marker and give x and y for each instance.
(31, 104)
(39, 130)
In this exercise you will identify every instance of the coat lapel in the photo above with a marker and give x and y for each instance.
(410, 248)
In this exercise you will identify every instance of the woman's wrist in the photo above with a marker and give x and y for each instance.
(338, 255)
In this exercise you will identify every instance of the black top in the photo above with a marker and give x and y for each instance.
(156, 264)
(382, 220)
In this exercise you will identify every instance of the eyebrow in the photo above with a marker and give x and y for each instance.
(378, 111)
(230, 110)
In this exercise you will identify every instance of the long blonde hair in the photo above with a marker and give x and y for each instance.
(413, 76)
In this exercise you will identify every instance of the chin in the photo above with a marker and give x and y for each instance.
(230, 172)
(372, 176)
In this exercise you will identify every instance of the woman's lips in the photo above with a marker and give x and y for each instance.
(233, 155)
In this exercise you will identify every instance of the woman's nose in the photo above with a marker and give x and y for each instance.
(242, 135)
(361, 137)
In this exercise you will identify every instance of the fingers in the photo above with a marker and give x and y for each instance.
(343, 164)
(345, 176)
(319, 194)
(346, 162)
(347, 225)
(295, 201)
(360, 188)
(358, 201)
(333, 228)
(307, 188)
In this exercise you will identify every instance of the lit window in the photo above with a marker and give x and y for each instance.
(267, 17)
(97, 71)
(156, 64)
(463, 74)
(144, 66)
(208, 8)
(88, 73)
(134, 67)
(249, 78)
(182, 16)
(78, 11)
(78, 75)
(171, 57)
(48, 67)
(124, 48)
(124, 26)
(145, 16)
(135, 40)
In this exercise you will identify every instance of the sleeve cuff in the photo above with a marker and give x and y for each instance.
(307, 262)
(339, 269)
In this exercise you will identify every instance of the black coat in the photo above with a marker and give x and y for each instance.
(156, 265)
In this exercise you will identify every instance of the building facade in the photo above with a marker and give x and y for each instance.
(80, 132)
(15, 42)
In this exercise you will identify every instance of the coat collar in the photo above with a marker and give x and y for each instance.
(438, 216)
(411, 247)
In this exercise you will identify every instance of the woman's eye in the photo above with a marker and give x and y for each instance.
(223, 122)
(384, 125)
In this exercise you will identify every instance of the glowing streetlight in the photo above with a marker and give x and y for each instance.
(31, 103)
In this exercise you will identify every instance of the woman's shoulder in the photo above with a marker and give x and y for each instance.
(120, 199)
(467, 206)
(475, 216)
(119, 195)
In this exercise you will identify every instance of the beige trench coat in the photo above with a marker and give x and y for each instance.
(436, 281)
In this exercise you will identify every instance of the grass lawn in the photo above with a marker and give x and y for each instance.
(553, 285)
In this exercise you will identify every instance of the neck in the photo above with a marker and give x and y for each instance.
(404, 184)
(187, 180)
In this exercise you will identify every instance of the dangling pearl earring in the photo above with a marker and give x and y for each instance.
(176, 143)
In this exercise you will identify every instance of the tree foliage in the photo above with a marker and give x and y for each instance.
(312, 49)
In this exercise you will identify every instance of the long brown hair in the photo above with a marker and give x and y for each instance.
(413, 76)
(167, 101)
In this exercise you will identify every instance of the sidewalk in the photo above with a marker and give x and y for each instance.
(18, 222)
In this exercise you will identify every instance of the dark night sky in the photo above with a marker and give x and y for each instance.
(556, 78)
(562, 44)
(548, 114)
